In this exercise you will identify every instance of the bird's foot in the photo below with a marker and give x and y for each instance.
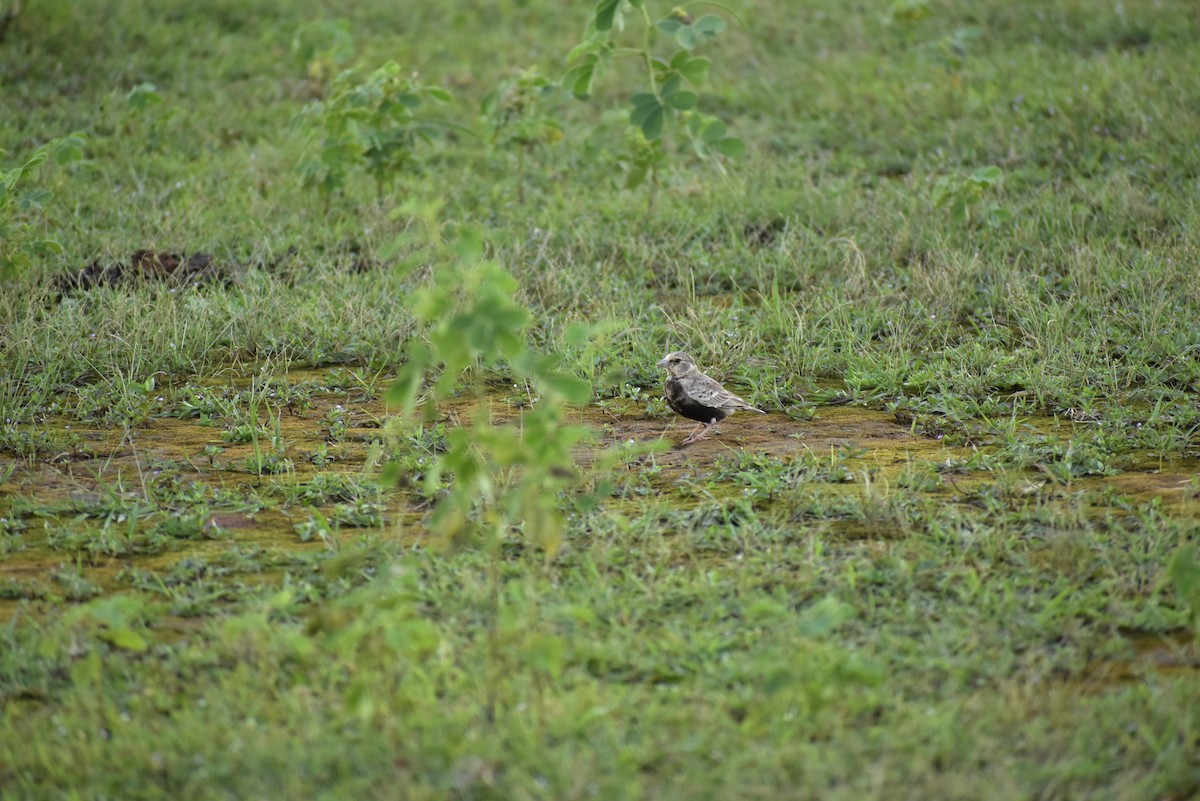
(698, 434)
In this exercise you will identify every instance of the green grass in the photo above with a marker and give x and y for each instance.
(954, 587)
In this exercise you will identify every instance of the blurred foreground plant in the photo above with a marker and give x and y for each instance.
(504, 479)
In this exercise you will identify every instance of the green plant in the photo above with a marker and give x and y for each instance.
(20, 241)
(334, 425)
(317, 526)
(667, 101)
(514, 111)
(371, 124)
(143, 121)
(504, 477)
(968, 198)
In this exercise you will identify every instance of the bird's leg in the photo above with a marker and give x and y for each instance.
(702, 431)
(692, 437)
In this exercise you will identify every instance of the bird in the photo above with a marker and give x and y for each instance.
(696, 396)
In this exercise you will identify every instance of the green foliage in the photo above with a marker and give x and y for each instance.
(514, 110)
(667, 100)
(21, 243)
(968, 197)
(143, 96)
(374, 124)
(504, 477)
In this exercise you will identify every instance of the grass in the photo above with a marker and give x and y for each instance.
(939, 565)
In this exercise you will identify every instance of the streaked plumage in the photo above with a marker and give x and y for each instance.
(698, 397)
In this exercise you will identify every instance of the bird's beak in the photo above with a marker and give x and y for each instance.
(661, 363)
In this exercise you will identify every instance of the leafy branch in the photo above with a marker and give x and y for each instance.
(669, 98)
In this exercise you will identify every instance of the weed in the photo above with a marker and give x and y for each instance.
(370, 123)
(20, 204)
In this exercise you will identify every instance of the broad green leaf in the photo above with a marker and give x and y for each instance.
(143, 96)
(714, 131)
(671, 85)
(732, 147)
(577, 334)
(606, 14)
(578, 80)
(648, 114)
(652, 125)
(572, 389)
(694, 70)
(430, 303)
(414, 638)
(709, 25)
(439, 94)
(682, 99)
(69, 148)
(669, 25)
(403, 391)
(337, 153)
(47, 247)
(960, 212)
(943, 191)
(34, 199)
(643, 99)
(37, 158)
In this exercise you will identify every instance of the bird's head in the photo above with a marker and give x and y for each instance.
(678, 363)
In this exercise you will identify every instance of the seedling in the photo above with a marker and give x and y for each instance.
(514, 111)
(968, 198)
(371, 124)
(20, 204)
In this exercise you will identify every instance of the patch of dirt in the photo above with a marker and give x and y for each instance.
(147, 265)
(198, 269)
(763, 234)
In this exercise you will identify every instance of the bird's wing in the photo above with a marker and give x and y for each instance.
(708, 392)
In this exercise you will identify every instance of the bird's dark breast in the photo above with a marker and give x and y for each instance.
(679, 400)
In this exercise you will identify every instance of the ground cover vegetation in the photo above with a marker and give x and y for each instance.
(334, 459)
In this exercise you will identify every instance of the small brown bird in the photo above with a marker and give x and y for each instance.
(698, 397)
